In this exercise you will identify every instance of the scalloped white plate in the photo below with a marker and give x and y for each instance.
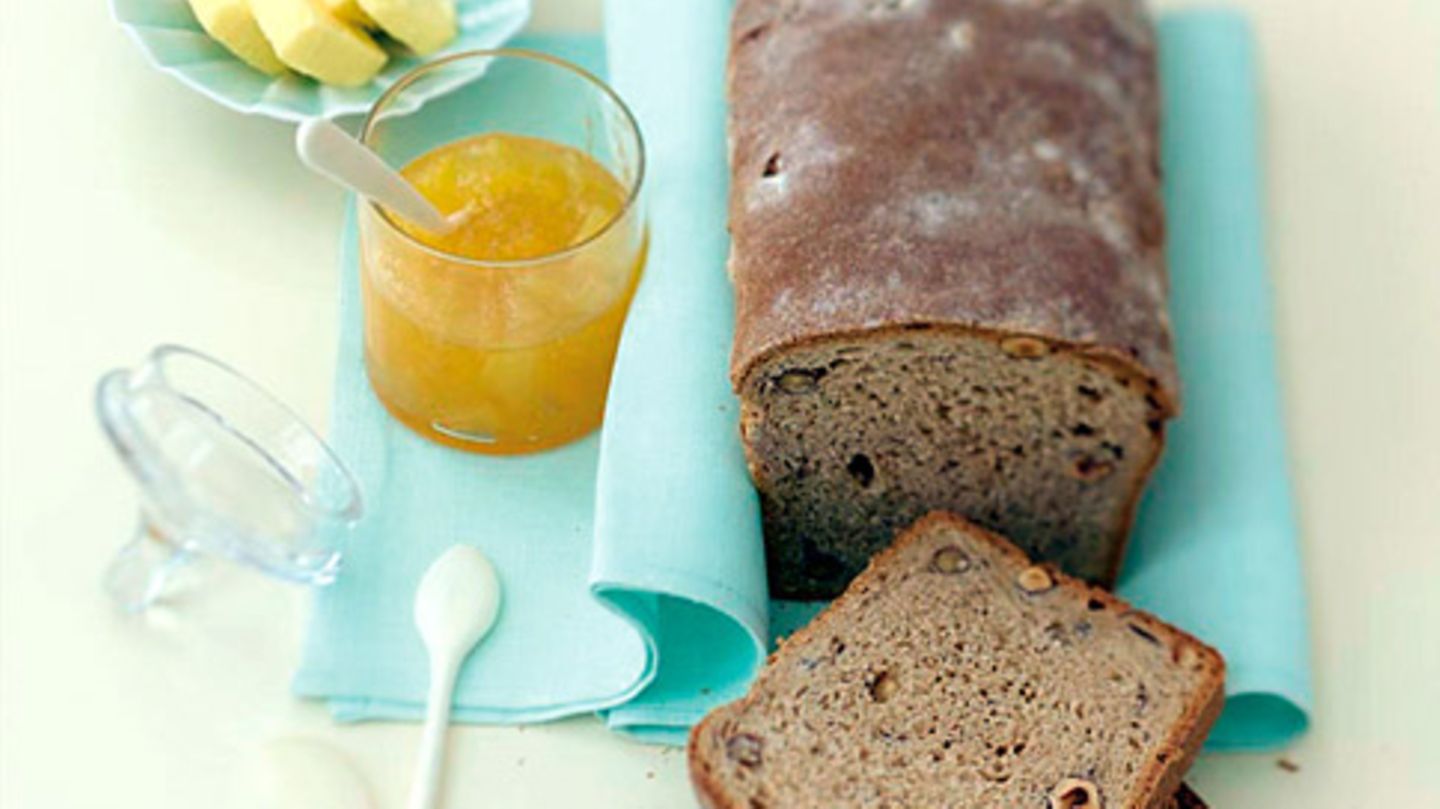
(174, 42)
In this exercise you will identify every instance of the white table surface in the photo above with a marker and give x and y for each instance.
(134, 212)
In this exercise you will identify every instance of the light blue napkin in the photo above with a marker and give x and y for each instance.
(656, 608)
(655, 611)
(677, 526)
(1215, 549)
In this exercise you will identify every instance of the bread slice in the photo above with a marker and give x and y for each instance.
(949, 273)
(953, 673)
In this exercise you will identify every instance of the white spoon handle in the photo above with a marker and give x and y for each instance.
(329, 150)
(426, 786)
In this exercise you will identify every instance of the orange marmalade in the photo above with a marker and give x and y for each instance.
(498, 336)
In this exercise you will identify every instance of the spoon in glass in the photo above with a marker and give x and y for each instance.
(330, 152)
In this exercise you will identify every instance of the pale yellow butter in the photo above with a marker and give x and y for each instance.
(311, 40)
(232, 24)
(349, 11)
(424, 26)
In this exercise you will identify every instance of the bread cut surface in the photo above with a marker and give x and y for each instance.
(853, 439)
(953, 673)
(948, 261)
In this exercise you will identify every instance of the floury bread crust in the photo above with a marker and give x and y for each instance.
(953, 673)
(950, 287)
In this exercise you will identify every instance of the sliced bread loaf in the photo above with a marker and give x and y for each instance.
(949, 274)
(953, 673)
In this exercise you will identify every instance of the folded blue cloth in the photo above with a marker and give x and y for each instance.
(677, 525)
(1214, 548)
(632, 561)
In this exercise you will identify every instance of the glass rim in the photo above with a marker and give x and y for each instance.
(632, 193)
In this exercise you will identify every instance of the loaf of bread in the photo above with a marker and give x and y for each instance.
(950, 288)
(953, 673)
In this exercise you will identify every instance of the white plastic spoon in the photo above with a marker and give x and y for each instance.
(329, 151)
(455, 605)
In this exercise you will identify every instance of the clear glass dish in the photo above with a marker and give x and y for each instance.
(224, 469)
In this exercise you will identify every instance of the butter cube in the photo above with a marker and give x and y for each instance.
(425, 26)
(349, 11)
(232, 24)
(308, 38)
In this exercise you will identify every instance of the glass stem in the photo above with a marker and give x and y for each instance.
(137, 574)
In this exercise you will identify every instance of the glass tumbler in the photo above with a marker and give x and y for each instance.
(507, 352)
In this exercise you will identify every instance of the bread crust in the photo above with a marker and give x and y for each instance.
(823, 150)
(1185, 739)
